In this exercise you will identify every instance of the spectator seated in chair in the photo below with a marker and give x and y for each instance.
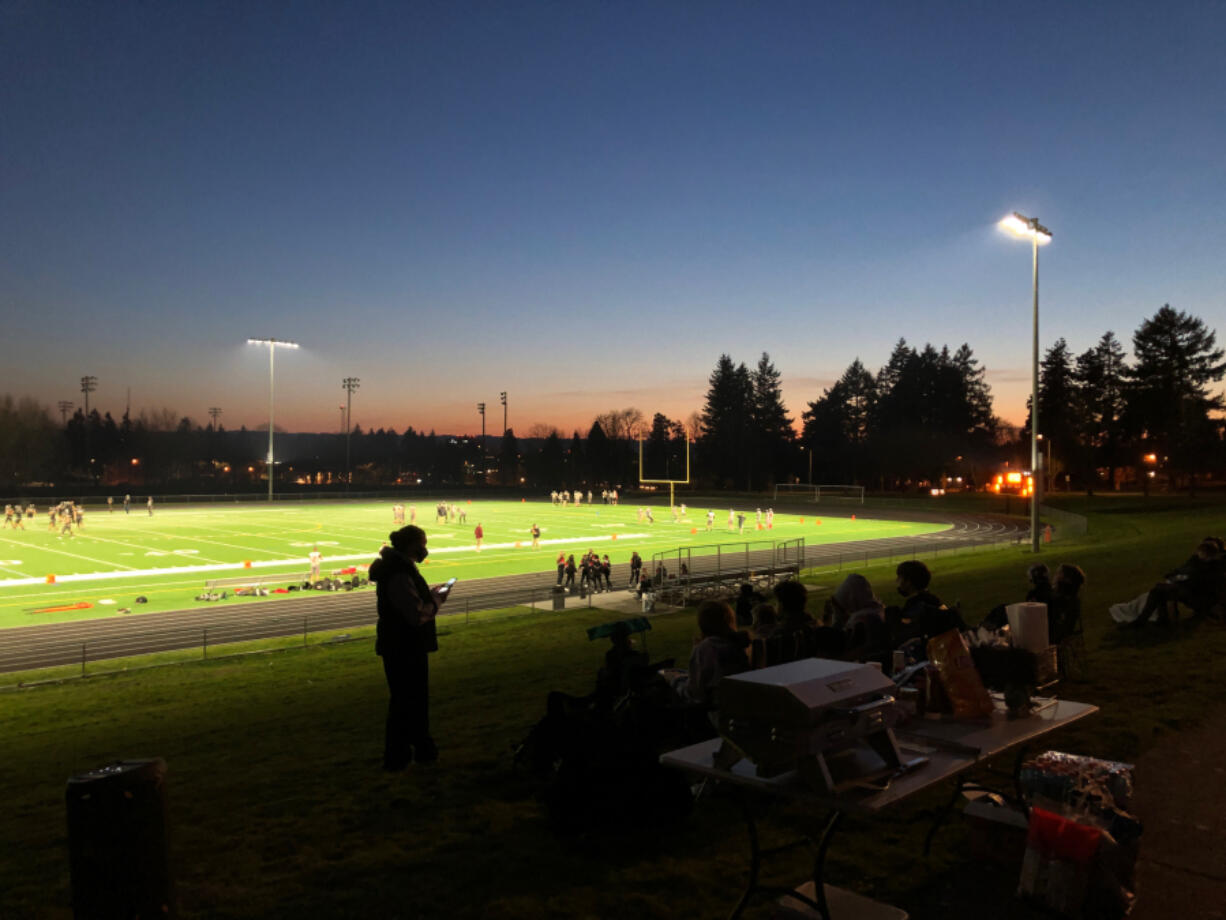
(765, 621)
(720, 650)
(745, 603)
(798, 634)
(856, 610)
(922, 615)
(1041, 591)
(1197, 584)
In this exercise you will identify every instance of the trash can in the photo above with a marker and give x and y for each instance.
(117, 841)
(559, 598)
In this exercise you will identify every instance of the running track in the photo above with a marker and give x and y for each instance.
(30, 647)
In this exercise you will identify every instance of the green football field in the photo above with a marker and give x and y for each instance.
(167, 557)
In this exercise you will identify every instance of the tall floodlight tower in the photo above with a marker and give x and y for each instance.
(481, 410)
(88, 385)
(1030, 228)
(214, 414)
(503, 397)
(273, 345)
(350, 384)
(65, 406)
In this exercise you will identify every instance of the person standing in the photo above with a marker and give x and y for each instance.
(404, 637)
(479, 534)
(570, 572)
(536, 536)
(561, 568)
(636, 568)
(127, 504)
(149, 505)
(110, 504)
(316, 558)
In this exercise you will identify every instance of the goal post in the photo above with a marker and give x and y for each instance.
(817, 493)
(671, 483)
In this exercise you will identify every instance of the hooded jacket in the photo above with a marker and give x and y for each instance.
(406, 607)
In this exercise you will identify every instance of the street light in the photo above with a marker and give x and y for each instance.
(1030, 228)
(273, 345)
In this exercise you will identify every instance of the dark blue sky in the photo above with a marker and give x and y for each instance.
(584, 204)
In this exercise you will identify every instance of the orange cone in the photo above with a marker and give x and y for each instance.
(246, 563)
(50, 579)
(614, 536)
(802, 520)
(693, 530)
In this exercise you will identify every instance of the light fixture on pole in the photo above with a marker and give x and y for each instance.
(350, 384)
(88, 385)
(1030, 228)
(273, 345)
(481, 409)
(65, 406)
(503, 397)
(214, 414)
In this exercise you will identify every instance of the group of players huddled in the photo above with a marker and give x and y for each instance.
(67, 517)
(14, 516)
(565, 497)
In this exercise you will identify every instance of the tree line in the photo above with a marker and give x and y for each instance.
(925, 417)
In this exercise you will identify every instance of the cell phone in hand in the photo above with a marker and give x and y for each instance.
(446, 586)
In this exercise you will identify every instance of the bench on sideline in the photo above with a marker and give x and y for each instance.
(687, 589)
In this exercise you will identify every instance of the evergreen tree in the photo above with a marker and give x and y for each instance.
(724, 422)
(601, 454)
(508, 459)
(1176, 362)
(1099, 403)
(1057, 423)
(770, 427)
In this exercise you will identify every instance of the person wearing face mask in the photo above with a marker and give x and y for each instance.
(922, 614)
(404, 636)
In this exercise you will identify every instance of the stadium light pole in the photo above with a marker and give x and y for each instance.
(503, 397)
(65, 406)
(481, 409)
(273, 345)
(88, 385)
(350, 384)
(1029, 228)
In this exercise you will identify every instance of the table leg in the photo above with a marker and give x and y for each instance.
(819, 863)
(944, 813)
(755, 863)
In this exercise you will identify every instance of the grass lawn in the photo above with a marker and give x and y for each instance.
(167, 557)
(278, 808)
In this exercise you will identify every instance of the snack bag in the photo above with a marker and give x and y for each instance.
(1057, 867)
(952, 658)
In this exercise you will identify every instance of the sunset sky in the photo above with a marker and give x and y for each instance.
(585, 203)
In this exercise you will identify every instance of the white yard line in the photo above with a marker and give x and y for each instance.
(64, 552)
(137, 546)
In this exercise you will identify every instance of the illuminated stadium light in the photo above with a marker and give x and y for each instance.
(273, 345)
(1029, 228)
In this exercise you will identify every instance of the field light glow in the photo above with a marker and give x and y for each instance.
(1017, 225)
